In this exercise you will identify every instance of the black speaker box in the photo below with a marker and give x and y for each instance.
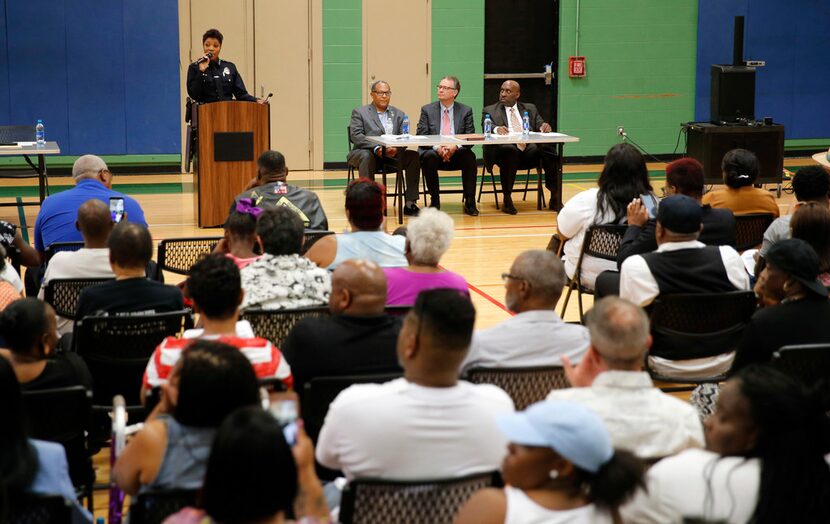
(733, 93)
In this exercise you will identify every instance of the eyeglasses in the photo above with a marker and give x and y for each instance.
(506, 276)
(383, 93)
(446, 88)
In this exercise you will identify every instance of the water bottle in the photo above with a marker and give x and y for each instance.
(387, 127)
(405, 125)
(525, 125)
(40, 135)
(488, 125)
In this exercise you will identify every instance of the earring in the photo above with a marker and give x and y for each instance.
(554, 474)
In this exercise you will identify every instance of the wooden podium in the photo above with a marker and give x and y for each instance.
(231, 135)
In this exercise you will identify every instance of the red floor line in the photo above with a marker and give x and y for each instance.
(502, 227)
(488, 297)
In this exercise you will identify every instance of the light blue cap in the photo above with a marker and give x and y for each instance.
(575, 432)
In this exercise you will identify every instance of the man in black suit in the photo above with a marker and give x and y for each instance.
(376, 119)
(448, 117)
(507, 118)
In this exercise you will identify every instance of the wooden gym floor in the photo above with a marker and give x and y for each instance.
(483, 248)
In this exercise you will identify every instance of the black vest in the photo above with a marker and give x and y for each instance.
(693, 270)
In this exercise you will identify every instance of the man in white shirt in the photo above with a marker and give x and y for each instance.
(427, 424)
(535, 335)
(610, 380)
(681, 264)
(91, 261)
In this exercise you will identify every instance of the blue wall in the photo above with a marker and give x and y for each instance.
(102, 74)
(793, 38)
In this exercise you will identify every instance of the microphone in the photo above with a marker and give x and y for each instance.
(203, 58)
(269, 96)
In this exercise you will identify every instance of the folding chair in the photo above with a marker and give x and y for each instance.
(178, 255)
(749, 230)
(153, 507)
(274, 324)
(488, 169)
(63, 293)
(808, 363)
(525, 385)
(31, 508)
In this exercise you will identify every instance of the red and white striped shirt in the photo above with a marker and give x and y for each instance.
(266, 359)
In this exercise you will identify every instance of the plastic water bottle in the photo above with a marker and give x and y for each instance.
(387, 127)
(40, 135)
(488, 125)
(525, 125)
(405, 125)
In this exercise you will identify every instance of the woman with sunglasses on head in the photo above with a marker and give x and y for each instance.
(560, 468)
(764, 460)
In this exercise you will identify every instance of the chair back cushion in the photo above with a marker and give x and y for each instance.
(749, 229)
(274, 324)
(153, 507)
(524, 385)
(807, 363)
(178, 255)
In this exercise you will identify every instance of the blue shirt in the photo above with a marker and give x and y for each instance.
(56, 220)
(52, 477)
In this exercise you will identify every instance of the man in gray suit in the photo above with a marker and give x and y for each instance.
(448, 117)
(372, 120)
(507, 118)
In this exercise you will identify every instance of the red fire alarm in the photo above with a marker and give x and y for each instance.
(576, 66)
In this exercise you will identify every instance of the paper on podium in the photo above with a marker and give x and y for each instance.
(403, 137)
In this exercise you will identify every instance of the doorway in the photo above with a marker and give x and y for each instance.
(522, 44)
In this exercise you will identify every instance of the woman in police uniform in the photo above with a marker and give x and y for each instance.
(211, 79)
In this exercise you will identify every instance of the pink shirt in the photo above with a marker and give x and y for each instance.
(404, 285)
(242, 262)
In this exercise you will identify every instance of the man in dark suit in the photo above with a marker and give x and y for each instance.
(507, 118)
(376, 119)
(448, 117)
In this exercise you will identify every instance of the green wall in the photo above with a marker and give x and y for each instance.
(342, 73)
(458, 49)
(640, 63)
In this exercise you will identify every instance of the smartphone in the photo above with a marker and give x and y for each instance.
(285, 411)
(116, 209)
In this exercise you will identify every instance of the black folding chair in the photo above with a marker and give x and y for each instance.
(152, 507)
(30, 508)
(178, 255)
(116, 349)
(600, 241)
(487, 169)
(275, 324)
(749, 230)
(321, 391)
(526, 385)
(64, 415)
(312, 236)
(376, 501)
(62, 293)
(807, 363)
(397, 311)
(698, 325)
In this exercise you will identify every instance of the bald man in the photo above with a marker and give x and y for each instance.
(92, 261)
(358, 338)
(507, 116)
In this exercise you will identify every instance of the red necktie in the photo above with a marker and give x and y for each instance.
(446, 126)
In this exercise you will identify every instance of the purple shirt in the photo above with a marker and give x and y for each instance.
(404, 285)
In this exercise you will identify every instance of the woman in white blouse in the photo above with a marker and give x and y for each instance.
(624, 178)
(763, 463)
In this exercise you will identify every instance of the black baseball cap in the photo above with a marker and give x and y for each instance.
(799, 260)
(680, 214)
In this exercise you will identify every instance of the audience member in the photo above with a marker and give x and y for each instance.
(8, 292)
(216, 290)
(270, 189)
(535, 335)
(624, 177)
(428, 237)
(209, 381)
(810, 184)
(91, 261)
(11, 238)
(764, 460)
(448, 117)
(380, 118)
(811, 223)
(683, 177)
(253, 476)
(365, 204)
(10, 280)
(507, 115)
(56, 220)
(240, 236)
(740, 171)
(130, 249)
(666, 271)
(29, 465)
(611, 381)
(791, 280)
(359, 337)
(427, 424)
(560, 468)
(28, 328)
(282, 279)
